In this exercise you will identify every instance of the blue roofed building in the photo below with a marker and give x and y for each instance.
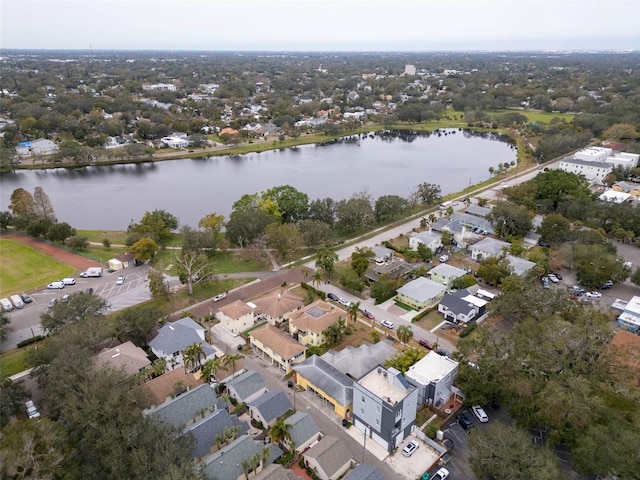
(269, 407)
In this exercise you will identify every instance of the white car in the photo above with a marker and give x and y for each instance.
(593, 294)
(440, 474)
(480, 414)
(344, 301)
(55, 286)
(411, 447)
(32, 410)
(120, 280)
(219, 297)
(388, 324)
(553, 278)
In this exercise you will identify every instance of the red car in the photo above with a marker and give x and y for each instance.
(425, 344)
(368, 314)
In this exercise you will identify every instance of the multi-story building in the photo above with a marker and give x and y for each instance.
(309, 324)
(433, 377)
(384, 406)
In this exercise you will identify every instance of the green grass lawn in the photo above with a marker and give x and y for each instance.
(23, 268)
(14, 362)
(116, 237)
(430, 320)
(540, 117)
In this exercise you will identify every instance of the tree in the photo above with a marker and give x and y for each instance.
(511, 220)
(43, 206)
(351, 280)
(323, 210)
(231, 360)
(464, 281)
(505, 451)
(555, 228)
(6, 219)
(59, 232)
(635, 277)
(596, 264)
(212, 223)
(5, 329)
(353, 311)
(280, 431)
(210, 369)
(22, 203)
(156, 225)
(555, 185)
(390, 207)
(77, 242)
(283, 238)
(12, 396)
(193, 268)
(404, 333)
(315, 233)
(493, 270)
(292, 204)
(355, 213)
(245, 226)
(401, 361)
(360, 260)
(424, 252)
(446, 238)
(158, 287)
(78, 307)
(144, 249)
(326, 258)
(135, 323)
(428, 193)
(621, 131)
(192, 357)
(385, 288)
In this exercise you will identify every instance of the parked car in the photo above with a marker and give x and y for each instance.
(607, 285)
(344, 301)
(411, 447)
(553, 278)
(52, 302)
(480, 414)
(545, 282)
(219, 297)
(425, 343)
(368, 314)
(388, 324)
(593, 294)
(464, 421)
(120, 280)
(558, 276)
(26, 298)
(55, 286)
(440, 474)
(333, 296)
(444, 258)
(32, 410)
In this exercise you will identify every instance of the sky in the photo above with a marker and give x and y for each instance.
(314, 25)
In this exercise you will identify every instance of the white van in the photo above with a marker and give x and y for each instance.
(69, 281)
(7, 306)
(17, 301)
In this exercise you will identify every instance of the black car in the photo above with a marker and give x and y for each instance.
(26, 298)
(332, 296)
(464, 421)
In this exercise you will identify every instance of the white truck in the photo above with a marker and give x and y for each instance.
(92, 272)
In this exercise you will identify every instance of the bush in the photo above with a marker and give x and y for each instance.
(308, 287)
(77, 243)
(431, 430)
(29, 341)
(470, 328)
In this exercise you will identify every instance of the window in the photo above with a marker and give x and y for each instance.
(362, 411)
(377, 408)
(363, 398)
(377, 422)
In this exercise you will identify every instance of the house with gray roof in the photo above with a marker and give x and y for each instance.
(356, 361)
(445, 274)
(269, 407)
(184, 408)
(421, 293)
(247, 386)
(213, 425)
(394, 269)
(334, 387)
(227, 463)
(174, 337)
(472, 221)
(304, 431)
(429, 239)
(520, 265)
(461, 233)
(329, 458)
(364, 471)
(478, 211)
(488, 248)
(276, 471)
(454, 309)
(382, 254)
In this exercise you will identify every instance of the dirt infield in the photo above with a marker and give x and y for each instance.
(60, 254)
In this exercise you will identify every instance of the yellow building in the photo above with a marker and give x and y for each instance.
(275, 345)
(328, 383)
(309, 324)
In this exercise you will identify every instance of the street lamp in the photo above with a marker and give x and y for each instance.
(364, 443)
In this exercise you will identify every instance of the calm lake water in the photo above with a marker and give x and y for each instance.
(110, 197)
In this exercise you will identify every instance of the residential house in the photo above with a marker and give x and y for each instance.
(477, 211)
(461, 234)
(304, 431)
(333, 386)
(236, 317)
(275, 345)
(126, 260)
(519, 265)
(268, 407)
(174, 337)
(125, 357)
(489, 248)
(382, 254)
(429, 239)
(308, 325)
(181, 411)
(40, 146)
(364, 471)
(229, 131)
(246, 387)
(230, 462)
(472, 221)
(614, 196)
(273, 306)
(593, 171)
(627, 187)
(445, 274)
(394, 269)
(457, 310)
(625, 347)
(355, 362)
(433, 376)
(212, 426)
(157, 390)
(421, 293)
(329, 458)
(629, 319)
(275, 471)
(384, 406)
(531, 239)
(175, 142)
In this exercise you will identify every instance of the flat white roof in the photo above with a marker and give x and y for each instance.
(486, 293)
(478, 302)
(381, 387)
(431, 368)
(633, 306)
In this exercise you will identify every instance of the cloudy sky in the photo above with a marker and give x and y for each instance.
(314, 25)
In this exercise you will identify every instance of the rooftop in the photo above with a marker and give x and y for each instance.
(126, 357)
(431, 368)
(316, 317)
(278, 341)
(379, 382)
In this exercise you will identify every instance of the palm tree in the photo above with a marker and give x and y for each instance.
(192, 356)
(231, 360)
(353, 310)
(279, 431)
(159, 366)
(404, 333)
(316, 278)
(210, 369)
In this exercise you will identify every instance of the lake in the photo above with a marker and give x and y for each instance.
(382, 163)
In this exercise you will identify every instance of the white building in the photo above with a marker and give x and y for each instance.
(623, 160)
(409, 69)
(175, 142)
(430, 240)
(160, 86)
(593, 154)
(594, 171)
(615, 197)
(630, 316)
(489, 247)
(433, 376)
